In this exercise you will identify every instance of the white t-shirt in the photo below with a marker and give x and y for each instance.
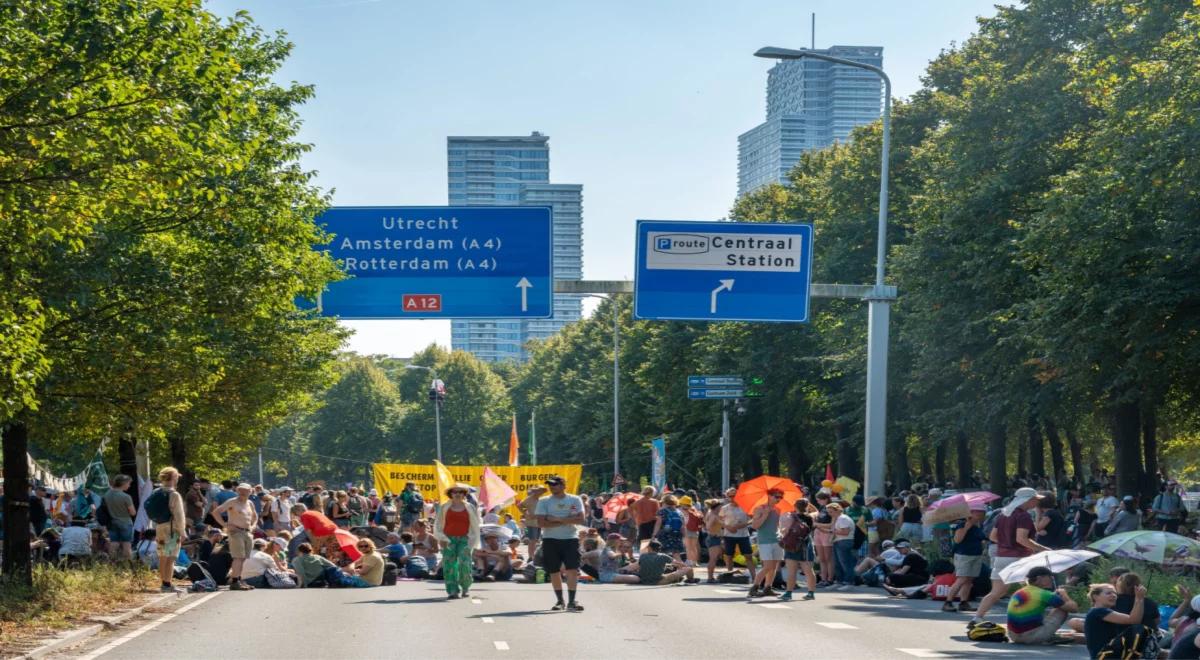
(283, 513)
(560, 507)
(892, 557)
(1105, 508)
(843, 522)
(256, 564)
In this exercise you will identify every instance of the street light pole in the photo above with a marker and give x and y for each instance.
(437, 408)
(880, 299)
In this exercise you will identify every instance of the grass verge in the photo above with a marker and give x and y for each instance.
(61, 599)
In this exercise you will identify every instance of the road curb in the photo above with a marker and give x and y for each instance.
(78, 636)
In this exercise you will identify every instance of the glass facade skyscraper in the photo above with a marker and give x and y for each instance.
(810, 105)
(515, 170)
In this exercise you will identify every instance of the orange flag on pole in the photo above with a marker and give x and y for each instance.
(514, 445)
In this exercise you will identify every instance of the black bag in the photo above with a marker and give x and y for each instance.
(415, 503)
(1131, 643)
(158, 506)
(389, 574)
(103, 515)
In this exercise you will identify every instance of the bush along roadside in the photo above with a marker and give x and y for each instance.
(62, 598)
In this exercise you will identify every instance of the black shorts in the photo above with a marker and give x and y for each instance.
(646, 531)
(734, 543)
(558, 554)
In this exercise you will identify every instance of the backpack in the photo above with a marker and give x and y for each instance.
(103, 515)
(987, 631)
(389, 574)
(672, 520)
(158, 506)
(796, 536)
(415, 503)
(389, 515)
(1131, 643)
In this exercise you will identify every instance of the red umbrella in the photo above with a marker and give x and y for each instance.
(754, 492)
(348, 543)
(618, 503)
(317, 523)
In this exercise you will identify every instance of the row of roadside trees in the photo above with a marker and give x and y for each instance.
(157, 231)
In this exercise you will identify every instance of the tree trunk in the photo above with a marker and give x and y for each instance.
(847, 454)
(1037, 447)
(1150, 451)
(797, 461)
(1076, 455)
(897, 450)
(939, 463)
(997, 451)
(926, 468)
(16, 568)
(1056, 449)
(773, 460)
(179, 459)
(1022, 448)
(1127, 447)
(962, 453)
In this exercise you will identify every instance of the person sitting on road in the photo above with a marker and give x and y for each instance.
(1105, 628)
(310, 568)
(492, 560)
(367, 570)
(1035, 613)
(514, 551)
(913, 570)
(261, 559)
(603, 564)
(651, 567)
(396, 551)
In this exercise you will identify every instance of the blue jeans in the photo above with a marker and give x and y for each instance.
(843, 555)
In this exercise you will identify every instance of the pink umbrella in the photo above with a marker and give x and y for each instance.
(977, 498)
(956, 507)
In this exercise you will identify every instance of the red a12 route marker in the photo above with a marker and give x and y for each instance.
(422, 302)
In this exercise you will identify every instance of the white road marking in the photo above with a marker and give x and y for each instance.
(501, 646)
(837, 625)
(774, 606)
(729, 591)
(147, 628)
(923, 653)
(476, 601)
(488, 619)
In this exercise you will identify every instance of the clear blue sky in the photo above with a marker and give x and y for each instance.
(643, 101)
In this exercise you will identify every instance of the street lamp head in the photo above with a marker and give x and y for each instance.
(417, 366)
(776, 53)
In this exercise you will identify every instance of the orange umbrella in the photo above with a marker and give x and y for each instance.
(752, 493)
(618, 503)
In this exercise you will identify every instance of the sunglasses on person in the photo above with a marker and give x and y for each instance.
(364, 546)
(462, 493)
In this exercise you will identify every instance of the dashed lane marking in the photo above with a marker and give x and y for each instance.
(774, 606)
(730, 591)
(476, 601)
(501, 646)
(488, 619)
(923, 653)
(837, 625)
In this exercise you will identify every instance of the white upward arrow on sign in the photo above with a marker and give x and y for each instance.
(726, 285)
(524, 286)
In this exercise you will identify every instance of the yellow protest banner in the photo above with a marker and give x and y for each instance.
(391, 477)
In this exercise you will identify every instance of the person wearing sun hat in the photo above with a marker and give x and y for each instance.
(457, 528)
(1013, 535)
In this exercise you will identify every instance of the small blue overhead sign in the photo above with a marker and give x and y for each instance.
(715, 381)
(704, 393)
(444, 262)
(722, 271)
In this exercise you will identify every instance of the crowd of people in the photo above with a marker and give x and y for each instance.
(250, 537)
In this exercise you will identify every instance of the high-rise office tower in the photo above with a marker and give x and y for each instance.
(810, 105)
(503, 171)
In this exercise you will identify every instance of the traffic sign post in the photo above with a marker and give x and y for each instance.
(722, 271)
(440, 262)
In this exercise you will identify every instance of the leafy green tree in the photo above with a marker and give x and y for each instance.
(357, 418)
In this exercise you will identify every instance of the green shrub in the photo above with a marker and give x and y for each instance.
(60, 598)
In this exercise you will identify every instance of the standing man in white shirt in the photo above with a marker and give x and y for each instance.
(1105, 508)
(282, 510)
(557, 516)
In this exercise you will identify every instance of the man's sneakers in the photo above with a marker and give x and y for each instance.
(948, 607)
(965, 606)
(238, 585)
(753, 593)
(809, 596)
(712, 580)
(768, 593)
(785, 596)
(692, 580)
(169, 589)
(574, 607)
(453, 596)
(558, 607)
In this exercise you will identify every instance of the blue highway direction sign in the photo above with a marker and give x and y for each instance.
(722, 271)
(440, 262)
(715, 381)
(704, 393)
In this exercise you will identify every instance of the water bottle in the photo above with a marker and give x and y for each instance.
(539, 577)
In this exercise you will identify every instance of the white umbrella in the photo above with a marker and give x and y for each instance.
(498, 530)
(1055, 560)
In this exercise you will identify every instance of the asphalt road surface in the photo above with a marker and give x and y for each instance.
(414, 620)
